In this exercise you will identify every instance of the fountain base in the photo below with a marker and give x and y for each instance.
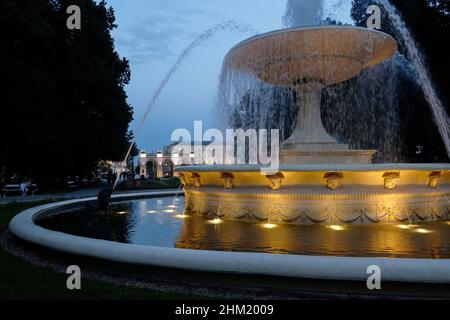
(316, 205)
(308, 194)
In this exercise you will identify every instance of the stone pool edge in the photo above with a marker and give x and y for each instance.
(285, 265)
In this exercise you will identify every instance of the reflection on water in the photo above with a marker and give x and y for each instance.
(158, 222)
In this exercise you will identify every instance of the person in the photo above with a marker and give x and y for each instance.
(104, 197)
(109, 177)
(24, 188)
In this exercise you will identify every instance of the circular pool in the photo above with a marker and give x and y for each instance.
(151, 229)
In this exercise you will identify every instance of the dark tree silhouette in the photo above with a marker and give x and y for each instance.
(63, 104)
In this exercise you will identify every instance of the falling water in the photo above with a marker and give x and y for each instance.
(230, 25)
(301, 13)
(417, 59)
(361, 112)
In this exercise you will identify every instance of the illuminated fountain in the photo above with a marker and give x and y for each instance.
(320, 180)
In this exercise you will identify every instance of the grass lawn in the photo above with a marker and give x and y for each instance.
(22, 280)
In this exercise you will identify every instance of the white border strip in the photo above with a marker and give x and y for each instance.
(288, 265)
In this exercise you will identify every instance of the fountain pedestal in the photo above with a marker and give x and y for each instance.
(310, 142)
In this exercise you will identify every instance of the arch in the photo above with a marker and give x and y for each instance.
(167, 168)
(151, 167)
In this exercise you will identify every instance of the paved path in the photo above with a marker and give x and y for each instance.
(82, 193)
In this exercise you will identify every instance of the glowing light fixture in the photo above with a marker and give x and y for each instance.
(421, 230)
(406, 226)
(269, 225)
(181, 216)
(169, 210)
(215, 221)
(336, 227)
(172, 206)
(121, 212)
(151, 211)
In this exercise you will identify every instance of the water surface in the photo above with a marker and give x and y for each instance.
(157, 222)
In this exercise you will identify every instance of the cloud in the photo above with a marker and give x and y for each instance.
(156, 32)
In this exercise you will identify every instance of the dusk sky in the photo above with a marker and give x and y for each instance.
(152, 33)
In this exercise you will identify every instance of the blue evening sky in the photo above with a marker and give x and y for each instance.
(152, 33)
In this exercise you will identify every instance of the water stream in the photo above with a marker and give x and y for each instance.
(230, 25)
(416, 58)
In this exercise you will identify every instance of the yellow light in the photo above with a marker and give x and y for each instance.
(215, 221)
(269, 225)
(406, 226)
(448, 222)
(121, 212)
(336, 227)
(421, 230)
(169, 210)
(181, 216)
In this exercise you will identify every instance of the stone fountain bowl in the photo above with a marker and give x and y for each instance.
(320, 194)
(299, 57)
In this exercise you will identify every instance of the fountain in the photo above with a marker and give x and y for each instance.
(321, 180)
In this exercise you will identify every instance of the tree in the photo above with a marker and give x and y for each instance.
(63, 102)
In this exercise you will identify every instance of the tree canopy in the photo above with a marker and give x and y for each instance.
(63, 104)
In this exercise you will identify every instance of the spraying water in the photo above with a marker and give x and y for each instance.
(417, 60)
(230, 25)
(301, 13)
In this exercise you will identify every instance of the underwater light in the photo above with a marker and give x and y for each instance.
(121, 212)
(169, 210)
(269, 225)
(421, 230)
(336, 227)
(151, 211)
(181, 216)
(172, 206)
(406, 226)
(215, 221)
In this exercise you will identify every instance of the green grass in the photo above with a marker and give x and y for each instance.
(22, 280)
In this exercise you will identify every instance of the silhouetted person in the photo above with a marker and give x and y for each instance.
(109, 177)
(104, 198)
(24, 188)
